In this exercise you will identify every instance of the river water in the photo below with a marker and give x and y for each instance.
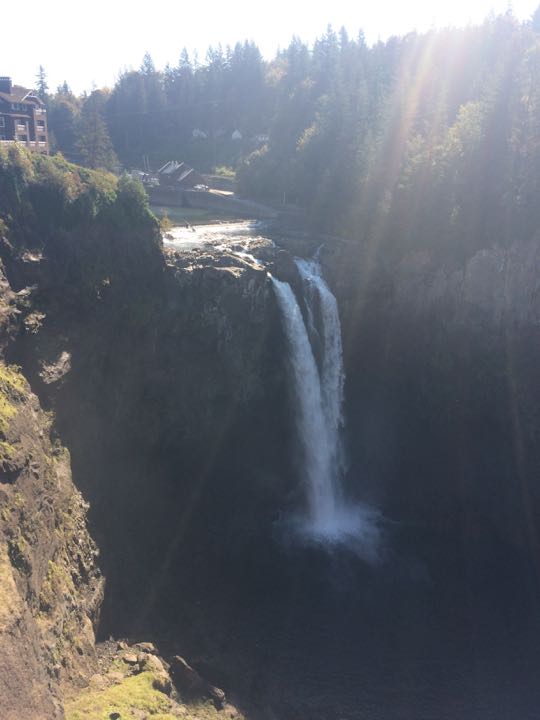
(217, 236)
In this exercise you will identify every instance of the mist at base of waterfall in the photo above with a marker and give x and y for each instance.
(356, 528)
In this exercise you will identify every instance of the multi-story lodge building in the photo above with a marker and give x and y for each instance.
(23, 117)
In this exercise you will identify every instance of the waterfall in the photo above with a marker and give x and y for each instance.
(316, 360)
(320, 300)
(314, 437)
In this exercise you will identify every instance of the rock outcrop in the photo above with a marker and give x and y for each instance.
(50, 588)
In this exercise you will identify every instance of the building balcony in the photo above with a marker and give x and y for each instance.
(42, 147)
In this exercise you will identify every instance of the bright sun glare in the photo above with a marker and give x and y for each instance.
(64, 40)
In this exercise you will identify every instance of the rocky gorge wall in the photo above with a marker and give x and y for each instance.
(167, 384)
(50, 587)
(444, 410)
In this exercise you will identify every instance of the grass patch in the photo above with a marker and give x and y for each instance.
(225, 171)
(129, 698)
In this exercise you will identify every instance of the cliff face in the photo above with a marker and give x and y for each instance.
(165, 376)
(443, 389)
(50, 588)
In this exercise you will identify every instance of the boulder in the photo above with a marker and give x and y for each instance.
(151, 663)
(147, 647)
(190, 683)
(130, 658)
(163, 684)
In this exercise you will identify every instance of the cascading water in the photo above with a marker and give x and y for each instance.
(313, 433)
(321, 302)
(318, 390)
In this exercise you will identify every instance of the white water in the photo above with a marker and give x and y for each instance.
(315, 440)
(318, 389)
(236, 238)
(332, 376)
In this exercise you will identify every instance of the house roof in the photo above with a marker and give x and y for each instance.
(178, 172)
(172, 167)
(19, 94)
(186, 174)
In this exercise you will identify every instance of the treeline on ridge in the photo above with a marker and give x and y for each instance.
(423, 140)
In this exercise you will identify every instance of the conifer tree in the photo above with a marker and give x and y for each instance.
(94, 143)
(42, 88)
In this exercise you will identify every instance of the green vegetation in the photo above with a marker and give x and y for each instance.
(189, 111)
(134, 697)
(57, 582)
(12, 387)
(7, 451)
(7, 411)
(50, 189)
(85, 222)
(53, 190)
(10, 377)
(134, 693)
(94, 143)
(225, 171)
(129, 698)
(422, 142)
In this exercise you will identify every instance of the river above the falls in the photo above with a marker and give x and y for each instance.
(217, 236)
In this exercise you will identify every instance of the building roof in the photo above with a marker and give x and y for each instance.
(171, 168)
(186, 173)
(178, 172)
(19, 94)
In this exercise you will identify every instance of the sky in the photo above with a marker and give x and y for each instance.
(89, 43)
